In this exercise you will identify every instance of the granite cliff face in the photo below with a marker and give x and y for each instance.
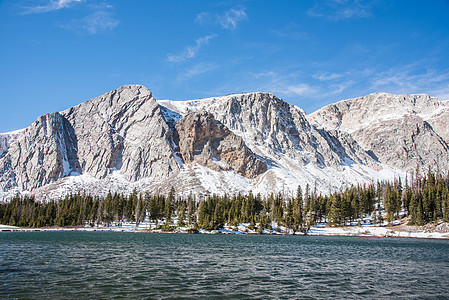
(122, 130)
(125, 140)
(41, 154)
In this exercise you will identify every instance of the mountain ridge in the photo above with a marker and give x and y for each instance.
(379, 119)
(125, 139)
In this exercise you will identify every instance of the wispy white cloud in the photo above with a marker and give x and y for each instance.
(204, 18)
(196, 70)
(296, 84)
(100, 17)
(47, 6)
(301, 89)
(441, 93)
(338, 88)
(283, 84)
(336, 10)
(190, 51)
(230, 19)
(418, 77)
(265, 74)
(412, 78)
(326, 76)
(290, 31)
(97, 22)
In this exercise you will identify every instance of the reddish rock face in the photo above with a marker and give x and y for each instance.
(206, 141)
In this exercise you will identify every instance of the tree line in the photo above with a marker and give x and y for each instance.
(425, 200)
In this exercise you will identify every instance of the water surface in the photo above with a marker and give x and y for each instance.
(171, 266)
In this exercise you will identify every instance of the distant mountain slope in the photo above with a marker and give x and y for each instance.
(402, 131)
(125, 140)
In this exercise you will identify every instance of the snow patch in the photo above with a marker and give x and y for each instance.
(7, 138)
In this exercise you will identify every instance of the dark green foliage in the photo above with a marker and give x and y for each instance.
(425, 201)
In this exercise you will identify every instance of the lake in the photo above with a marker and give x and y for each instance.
(104, 265)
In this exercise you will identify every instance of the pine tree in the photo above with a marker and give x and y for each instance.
(289, 218)
(140, 210)
(389, 203)
(419, 211)
(203, 215)
(335, 212)
(298, 214)
(181, 214)
(307, 204)
(192, 210)
(168, 207)
(446, 204)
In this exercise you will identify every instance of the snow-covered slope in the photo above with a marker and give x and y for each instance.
(127, 140)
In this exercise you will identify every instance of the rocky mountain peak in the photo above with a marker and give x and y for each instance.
(115, 101)
(123, 130)
(352, 114)
(403, 131)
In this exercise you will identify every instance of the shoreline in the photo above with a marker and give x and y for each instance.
(371, 231)
(401, 231)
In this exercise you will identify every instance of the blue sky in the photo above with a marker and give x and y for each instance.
(56, 54)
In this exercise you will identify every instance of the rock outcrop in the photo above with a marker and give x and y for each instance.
(206, 141)
(405, 143)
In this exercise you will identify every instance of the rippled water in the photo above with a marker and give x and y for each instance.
(141, 265)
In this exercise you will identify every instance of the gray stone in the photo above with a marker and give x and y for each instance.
(123, 130)
(402, 131)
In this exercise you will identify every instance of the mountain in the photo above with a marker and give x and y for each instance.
(126, 140)
(401, 131)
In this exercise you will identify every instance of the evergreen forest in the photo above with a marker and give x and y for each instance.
(424, 200)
